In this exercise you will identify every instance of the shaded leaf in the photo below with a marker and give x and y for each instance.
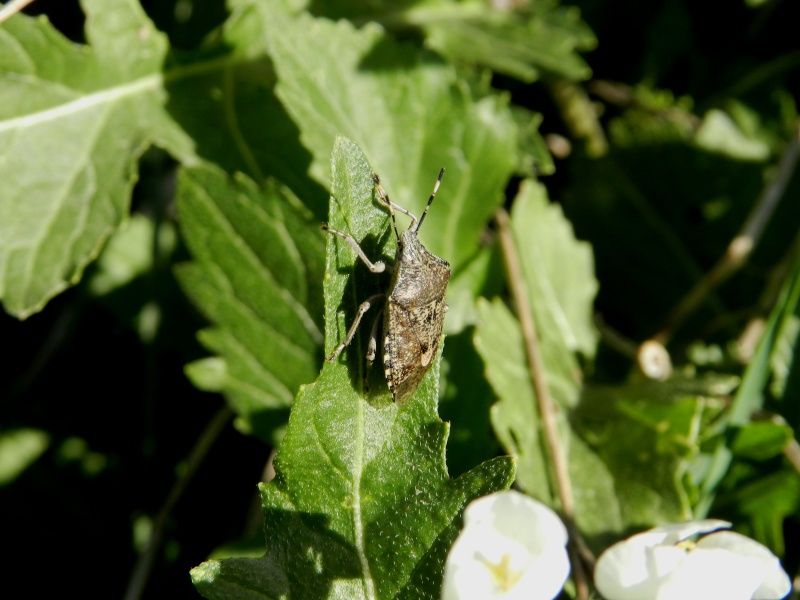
(762, 440)
(542, 39)
(19, 448)
(719, 133)
(361, 505)
(750, 397)
(256, 275)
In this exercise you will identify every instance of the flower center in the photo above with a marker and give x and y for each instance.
(504, 576)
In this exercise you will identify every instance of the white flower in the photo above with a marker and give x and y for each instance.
(511, 547)
(660, 564)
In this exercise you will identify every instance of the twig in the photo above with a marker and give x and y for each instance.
(614, 339)
(10, 9)
(619, 94)
(544, 401)
(741, 246)
(144, 565)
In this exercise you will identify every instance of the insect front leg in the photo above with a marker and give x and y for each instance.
(383, 197)
(376, 267)
(362, 309)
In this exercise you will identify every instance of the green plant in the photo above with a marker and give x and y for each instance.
(271, 125)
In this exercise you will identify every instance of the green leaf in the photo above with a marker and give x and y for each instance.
(127, 255)
(750, 396)
(558, 272)
(764, 503)
(625, 464)
(73, 123)
(762, 440)
(719, 133)
(534, 157)
(465, 403)
(408, 113)
(83, 115)
(224, 98)
(516, 422)
(361, 505)
(256, 275)
(525, 41)
(779, 342)
(19, 448)
(542, 39)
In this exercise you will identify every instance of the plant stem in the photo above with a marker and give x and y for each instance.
(11, 8)
(741, 246)
(141, 572)
(544, 400)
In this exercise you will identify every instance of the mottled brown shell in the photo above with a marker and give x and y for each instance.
(413, 316)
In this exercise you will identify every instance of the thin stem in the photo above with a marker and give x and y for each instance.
(144, 565)
(544, 400)
(11, 8)
(741, 246)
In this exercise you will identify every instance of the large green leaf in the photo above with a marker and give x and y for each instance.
(408, 113)
(256, 274)
(361, 505)
(73, 122)
(75, 119)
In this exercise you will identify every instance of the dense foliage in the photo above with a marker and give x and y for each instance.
(623, 178)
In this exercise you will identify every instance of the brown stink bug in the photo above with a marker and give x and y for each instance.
(414, 307)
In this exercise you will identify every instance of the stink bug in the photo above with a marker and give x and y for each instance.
(414, 306)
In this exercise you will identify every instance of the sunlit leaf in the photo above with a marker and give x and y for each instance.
(73, 122)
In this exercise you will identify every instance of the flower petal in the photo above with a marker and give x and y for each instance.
(711, 574)
(775, 583)
(673, 533)
(511, 547)
(636, 568)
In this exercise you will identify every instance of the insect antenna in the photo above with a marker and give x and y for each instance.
(430, 200)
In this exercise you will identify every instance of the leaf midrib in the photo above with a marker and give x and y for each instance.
(113, 94)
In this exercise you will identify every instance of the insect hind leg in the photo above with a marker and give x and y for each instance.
(372, 348)
(362, 309)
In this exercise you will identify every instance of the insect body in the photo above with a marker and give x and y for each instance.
(414, 307)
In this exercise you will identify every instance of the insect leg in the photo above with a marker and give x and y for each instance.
(376, 267)
(363, 308)
(372, 347)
